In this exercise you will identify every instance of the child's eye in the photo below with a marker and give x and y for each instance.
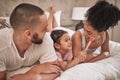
(66, 40)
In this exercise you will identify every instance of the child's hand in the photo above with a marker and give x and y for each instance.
(83, 55)
(62, 65)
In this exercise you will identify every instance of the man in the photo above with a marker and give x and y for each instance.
(25, 44)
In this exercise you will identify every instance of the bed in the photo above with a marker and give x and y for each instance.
(106, 69)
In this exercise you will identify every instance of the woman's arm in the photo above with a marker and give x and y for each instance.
(76, 44)
(104, 51)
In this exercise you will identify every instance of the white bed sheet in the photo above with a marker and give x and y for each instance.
(106, 69)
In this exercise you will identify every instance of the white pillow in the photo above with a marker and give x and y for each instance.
(57, 16)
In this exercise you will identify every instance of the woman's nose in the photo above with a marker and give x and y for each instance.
(85, 33)
(70, 42)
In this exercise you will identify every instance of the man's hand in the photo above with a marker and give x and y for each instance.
(51, 67)
(48, 67)
(62, 65)
(32, 75)
(26, 76)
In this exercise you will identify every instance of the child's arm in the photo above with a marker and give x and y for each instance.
(74, 62)
(78, 59)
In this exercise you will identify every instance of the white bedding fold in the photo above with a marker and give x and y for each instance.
(106, 69)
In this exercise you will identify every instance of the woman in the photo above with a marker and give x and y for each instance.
(99, 18)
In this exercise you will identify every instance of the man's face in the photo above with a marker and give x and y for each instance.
(36, 39)
(39, 31)
(65, 42)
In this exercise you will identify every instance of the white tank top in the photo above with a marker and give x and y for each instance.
(91, 50)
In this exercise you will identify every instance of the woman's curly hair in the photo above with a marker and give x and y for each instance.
(103, 15)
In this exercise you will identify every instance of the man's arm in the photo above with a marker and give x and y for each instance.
(34, 76)
(41, 72)
(2, 75)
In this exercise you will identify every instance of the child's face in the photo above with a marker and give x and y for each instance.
(65, 42)
(89, 31)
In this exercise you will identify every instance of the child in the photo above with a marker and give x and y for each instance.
(99, 18)
(63, 46)
(62, 43)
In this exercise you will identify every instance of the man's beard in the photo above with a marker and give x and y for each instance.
(36, 39)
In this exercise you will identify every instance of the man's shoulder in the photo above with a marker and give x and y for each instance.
(47, 39)
(5, 37)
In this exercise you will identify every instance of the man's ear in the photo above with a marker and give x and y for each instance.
(28, 34)
(57, 46)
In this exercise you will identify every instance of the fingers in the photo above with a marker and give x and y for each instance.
(88, 45)
(55, 69)
(57, 63)
(83, 55)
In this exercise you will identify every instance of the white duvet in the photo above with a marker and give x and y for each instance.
(106, 69)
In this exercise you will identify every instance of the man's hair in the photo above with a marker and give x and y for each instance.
(57, 34)
(25, 15)
(103, 15)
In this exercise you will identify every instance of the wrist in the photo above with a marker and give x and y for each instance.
(106, 53)
(78, 59)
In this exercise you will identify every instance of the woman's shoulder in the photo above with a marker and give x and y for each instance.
(78, 34)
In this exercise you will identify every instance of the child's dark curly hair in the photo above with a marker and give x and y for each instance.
(103, 15)
(56, 35)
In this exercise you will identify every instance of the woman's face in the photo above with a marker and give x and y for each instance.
(90, 32)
